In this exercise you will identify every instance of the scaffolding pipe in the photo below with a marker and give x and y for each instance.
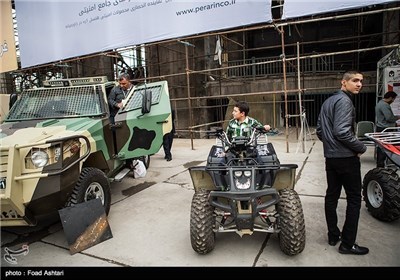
(188, 92)
(274, 61)
(282, 32)
(300, 107)
(262, 93)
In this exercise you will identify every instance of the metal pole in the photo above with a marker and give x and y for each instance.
(207, 71)
(299, 87)
(188, 92)
(285, 86)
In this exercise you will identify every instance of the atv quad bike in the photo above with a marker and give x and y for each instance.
(243, 189)
(381, 186)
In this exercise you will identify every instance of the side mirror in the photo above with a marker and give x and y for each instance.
(146, 102)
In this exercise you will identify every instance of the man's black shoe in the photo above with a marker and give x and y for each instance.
(355, 250)
(333, 241)
(169, 158)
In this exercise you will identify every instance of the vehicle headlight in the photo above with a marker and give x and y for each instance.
(247, 173)
(56, 154)
(237, 173)
(39, 158)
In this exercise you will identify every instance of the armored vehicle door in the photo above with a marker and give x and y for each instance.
(143, 120)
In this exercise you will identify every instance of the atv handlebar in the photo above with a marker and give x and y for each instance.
(240, 140)
(260, 129)
(216, 132)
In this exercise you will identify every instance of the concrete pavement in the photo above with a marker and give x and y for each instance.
(150, 217)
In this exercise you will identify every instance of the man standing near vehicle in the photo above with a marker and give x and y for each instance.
(119, 93)
(342, 151)
(384, 119)
(169, 138)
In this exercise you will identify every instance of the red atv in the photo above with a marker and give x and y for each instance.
(381, 186)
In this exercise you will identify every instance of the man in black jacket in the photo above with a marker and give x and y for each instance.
(384, 119)
(342, 151)
(119, 93)
(168, 139)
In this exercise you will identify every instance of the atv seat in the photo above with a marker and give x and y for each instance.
(266, 155)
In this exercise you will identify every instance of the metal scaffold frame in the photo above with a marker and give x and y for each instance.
(188, 58)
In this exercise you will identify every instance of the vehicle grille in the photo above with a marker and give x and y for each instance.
(3, 163)
(7, 213)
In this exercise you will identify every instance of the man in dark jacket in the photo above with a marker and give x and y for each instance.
(342, 151)
(384, 119)
(169, 138)
(119, 93)
(115, 98)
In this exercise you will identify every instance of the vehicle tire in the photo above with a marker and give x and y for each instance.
(202, 223)
(381, 191)
(92, 184)
(292, 235)
(146, 161)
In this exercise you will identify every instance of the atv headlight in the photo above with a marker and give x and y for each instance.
(39, 158)
(247, 173)
(238, 173)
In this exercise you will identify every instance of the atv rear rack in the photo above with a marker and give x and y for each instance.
(389, 141)
(386, 137)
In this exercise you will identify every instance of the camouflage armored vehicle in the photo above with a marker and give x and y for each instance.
(58, 149)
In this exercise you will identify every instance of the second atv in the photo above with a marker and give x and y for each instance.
(243, 188)
(381, 186)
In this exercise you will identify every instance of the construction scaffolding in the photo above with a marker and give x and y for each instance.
(272, 75)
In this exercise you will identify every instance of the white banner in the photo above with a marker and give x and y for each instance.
(391, 81)
(8, 55)
(298, 8)
(54, 30)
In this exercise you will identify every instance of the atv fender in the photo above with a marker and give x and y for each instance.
(285, 177)
(201, 178)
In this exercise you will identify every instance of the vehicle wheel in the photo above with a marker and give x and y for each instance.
(92, 184)
(292, 235)
(146, 161)
(202, 222)
(381, 191)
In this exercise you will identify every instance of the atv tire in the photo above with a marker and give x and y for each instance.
(292, 235)
(92, 184)
(202, 223)
(381, 191)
